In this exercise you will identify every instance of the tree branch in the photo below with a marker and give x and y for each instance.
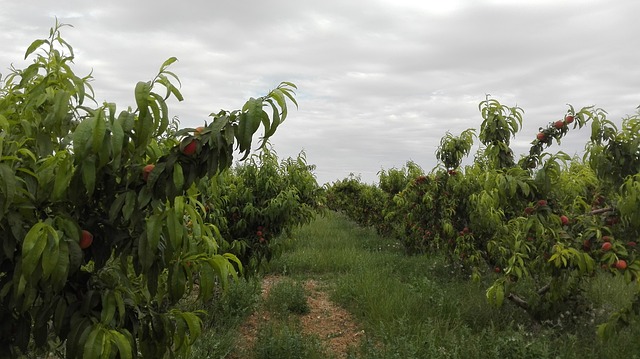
(601, 210)
(523, 303)
(518, 301)
(544, 290)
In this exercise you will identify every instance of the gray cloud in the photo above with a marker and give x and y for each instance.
(380, 82)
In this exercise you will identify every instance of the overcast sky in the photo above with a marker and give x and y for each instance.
(379, 82)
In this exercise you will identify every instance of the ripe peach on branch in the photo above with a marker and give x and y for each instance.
(86, 239)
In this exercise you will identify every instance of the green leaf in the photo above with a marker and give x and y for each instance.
(581, 262)
(4, 126)
(126, 120)
(153, 177)
(142, 91)
(79, 86)
(180, 332)
(64, 173)
(178, 177)
(490, 294)
(177, 282)
(117, 141)
(108, 307)
(195, 326)
(94, 344)
(145, 257)
(145, 195)
(495, 293)
(178, 204)
(278, 95)
(603, 330)
(59, 314)
(207, 283)
(116, 207)
(155, 109)
(289, 93)
(154, 228)
(168, 63)
(80, 330)
(7, 186)
(122, 343)
(129, 205)
(589, 262)
(120, 305)
(221, 267)
(232, 258)
(175, 228)
(499, 295)
(176, 93)
(195, 219)
(25, 152)
(50, 260)
(271, 129)
(169, 73)
(89, 174)
(82, 137)
(61, 271)
(250, 121)
(61, 106)
(518, 271)
(29, 73)
(240, 132)
(34, 46)
(164, 119)
(255, 114)
(34, 244)
(75, 255)
(144, 126)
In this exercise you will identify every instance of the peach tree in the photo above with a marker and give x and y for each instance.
(102, 231)
(539, 227)
(361, 202)
(565, 232)
(257, 201)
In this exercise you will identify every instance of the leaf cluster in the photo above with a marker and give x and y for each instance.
(68, 168)
(539, 230)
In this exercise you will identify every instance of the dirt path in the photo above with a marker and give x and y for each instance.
(333, 325)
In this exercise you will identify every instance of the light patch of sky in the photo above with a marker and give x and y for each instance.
(324, 23)
(66, 14)
(438, 8)
(364, 75)
(538, 3)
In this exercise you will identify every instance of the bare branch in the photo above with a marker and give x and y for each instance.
(544, 290)
(518, 301)
(601, 210)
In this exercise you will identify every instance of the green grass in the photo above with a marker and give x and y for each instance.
(225, 312)
(285, 340)
(408, 306)
(287, 297)
(418, 307)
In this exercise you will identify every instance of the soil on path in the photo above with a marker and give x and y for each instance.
(333, 325)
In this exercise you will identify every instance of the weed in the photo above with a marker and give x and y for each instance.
(285, 341)
(225, 312)
(287, 296)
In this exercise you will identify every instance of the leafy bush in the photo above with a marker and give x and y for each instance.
(542, 226)
(259, 200)
(102, 231)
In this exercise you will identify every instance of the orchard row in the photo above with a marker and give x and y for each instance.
(545, 223)
(110, 219)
